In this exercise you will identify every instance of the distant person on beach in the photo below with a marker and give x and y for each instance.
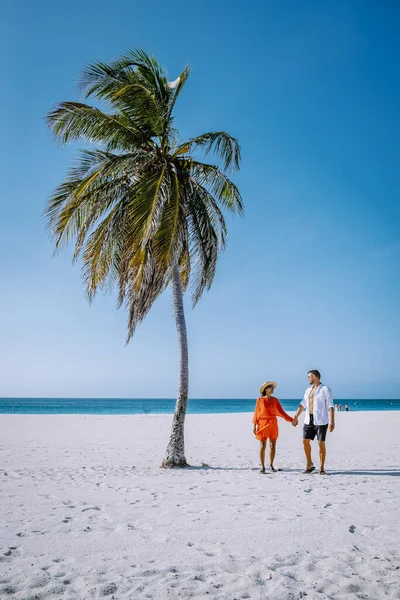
(347, 407)
(268, 408)
(320, 413)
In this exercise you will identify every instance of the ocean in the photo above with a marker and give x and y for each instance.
(137, 406)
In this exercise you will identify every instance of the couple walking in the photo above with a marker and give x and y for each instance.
(320, 413)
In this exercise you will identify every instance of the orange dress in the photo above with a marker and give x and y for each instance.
(267, 409)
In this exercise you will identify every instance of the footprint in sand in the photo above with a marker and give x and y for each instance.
(108, 589)
(9, 589)
(9, 553)
(352, 528)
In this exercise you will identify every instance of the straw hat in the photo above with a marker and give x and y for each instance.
(266, 384)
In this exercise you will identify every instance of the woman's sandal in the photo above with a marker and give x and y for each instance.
(310, 470)
(263, 471)
(273, 470)
(322, 472)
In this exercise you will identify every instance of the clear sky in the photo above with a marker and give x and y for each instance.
(311, 276)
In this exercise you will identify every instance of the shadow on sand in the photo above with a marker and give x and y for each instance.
(367, 473)
(363, 473)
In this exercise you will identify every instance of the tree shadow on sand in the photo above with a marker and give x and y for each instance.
(364, 473)
(205, 467)
(373, 472)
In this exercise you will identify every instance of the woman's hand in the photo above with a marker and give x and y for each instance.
(255, 429)
(295, 422)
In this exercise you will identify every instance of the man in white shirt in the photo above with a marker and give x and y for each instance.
(320, 412)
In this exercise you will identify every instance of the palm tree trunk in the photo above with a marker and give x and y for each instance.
(175, 455)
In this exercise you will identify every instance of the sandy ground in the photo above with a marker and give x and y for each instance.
(86, 512)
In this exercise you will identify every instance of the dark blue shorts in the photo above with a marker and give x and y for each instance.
(311, 430)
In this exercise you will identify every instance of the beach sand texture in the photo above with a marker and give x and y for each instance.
(86, 512)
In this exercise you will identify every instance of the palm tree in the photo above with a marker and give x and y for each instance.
(143, 210)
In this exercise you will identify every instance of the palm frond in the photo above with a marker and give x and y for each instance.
(92, 187)
(143, 280)
(101, 255)
(177, 86)
(111, 195)
(223, 145)
(167, 242)
(204, 244)
(101, 79)
(135, 84)
(76, 121)
(215, 214)
(217, 183)
(144, 212)
(185, 265)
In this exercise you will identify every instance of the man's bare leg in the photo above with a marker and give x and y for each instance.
(263, 444)
(307, 450)
(272, 452)
(322, 456)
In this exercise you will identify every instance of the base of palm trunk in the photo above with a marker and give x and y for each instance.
(174, 463)
(175, 456)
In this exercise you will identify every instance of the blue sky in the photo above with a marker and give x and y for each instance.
(311, 276)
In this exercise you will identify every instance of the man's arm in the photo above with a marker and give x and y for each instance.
(331, 418)
(331, 406)
(302, 406)
(296, 416)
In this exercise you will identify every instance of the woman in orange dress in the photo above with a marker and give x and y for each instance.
(268, 408)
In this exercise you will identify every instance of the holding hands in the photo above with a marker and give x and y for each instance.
(295, 422)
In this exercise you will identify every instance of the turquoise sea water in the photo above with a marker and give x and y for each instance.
(125, 406)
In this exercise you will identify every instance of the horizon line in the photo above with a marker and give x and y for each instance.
(173, 399)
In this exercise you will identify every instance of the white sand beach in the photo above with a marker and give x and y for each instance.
(86, 512)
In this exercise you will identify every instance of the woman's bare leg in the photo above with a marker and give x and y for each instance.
(272, 452)
(263, 444)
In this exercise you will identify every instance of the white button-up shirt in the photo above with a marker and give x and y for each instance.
(322, 403)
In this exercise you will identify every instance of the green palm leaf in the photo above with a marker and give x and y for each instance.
(222, 145)
(76, 121)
